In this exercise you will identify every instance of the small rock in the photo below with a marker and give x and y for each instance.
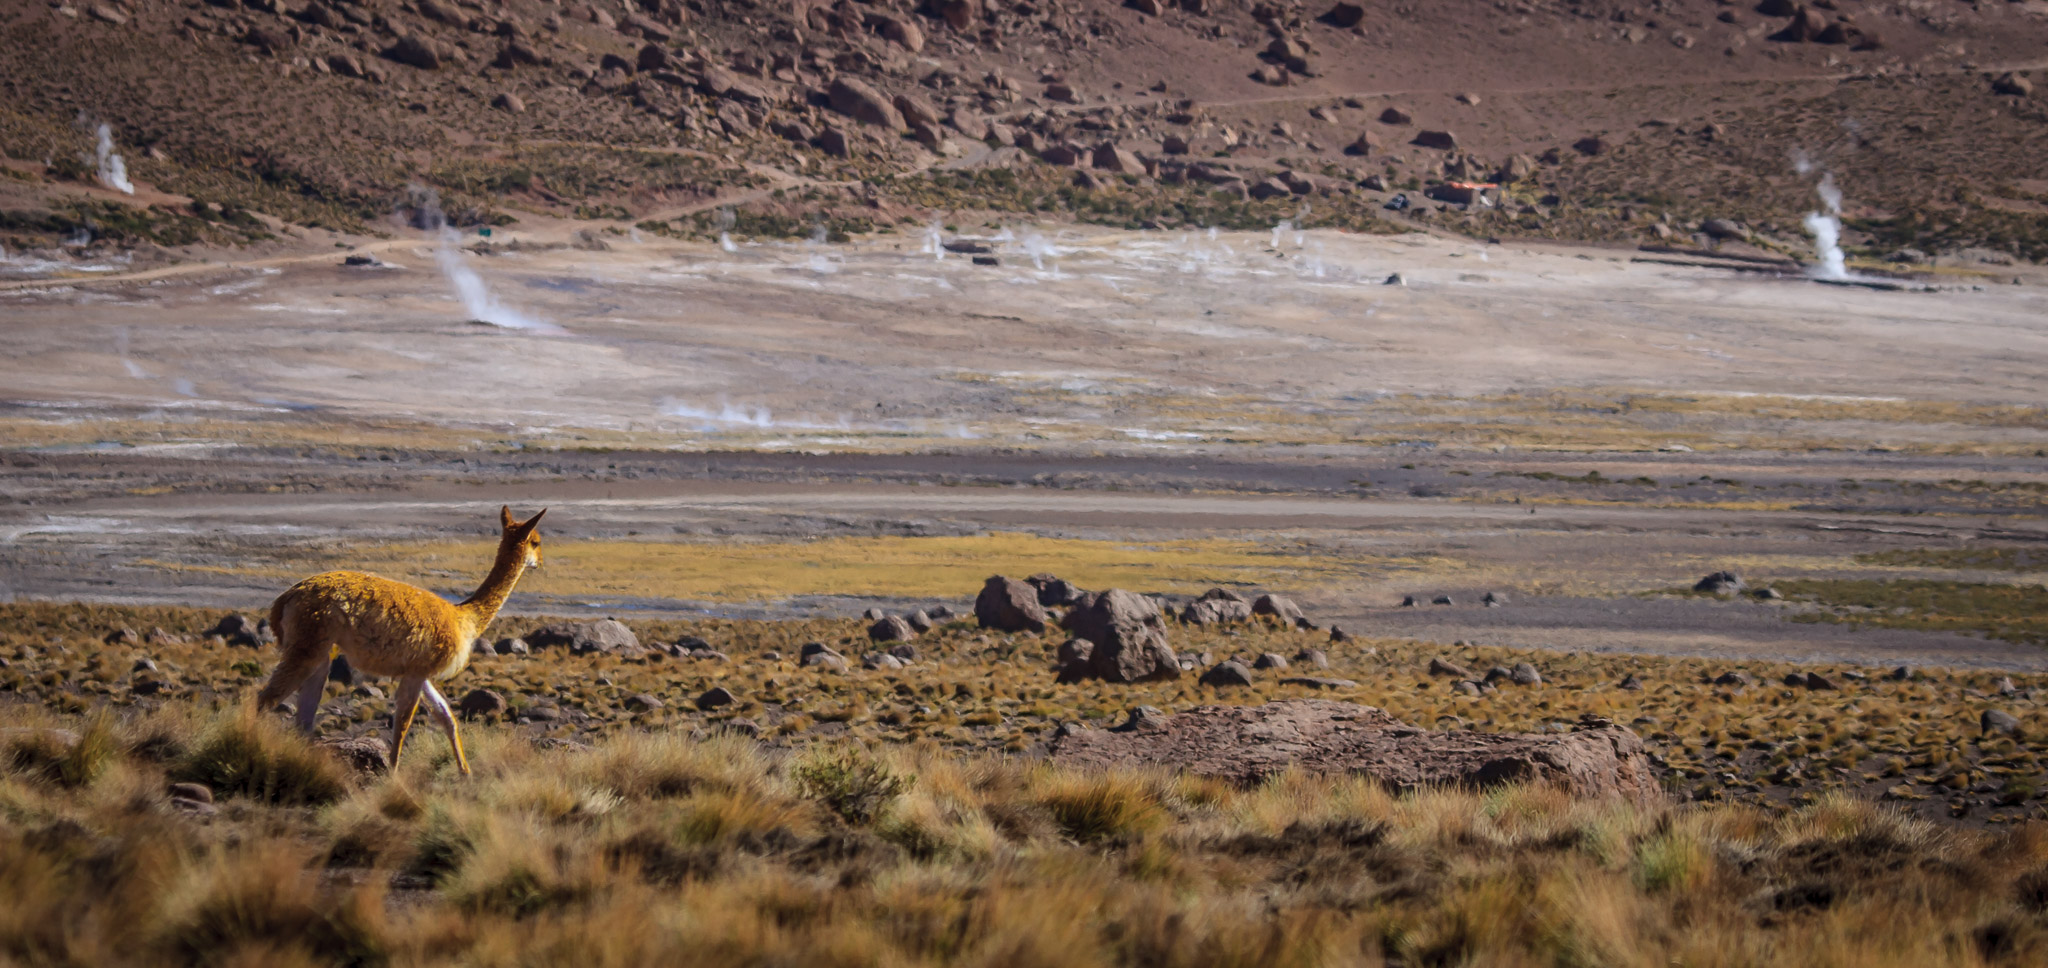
(641, 702)
(1631, 683)
(195, 792)
(874, 615)
(1766, 595)
(1721, 228)
(1409, 601)
(1144, 717)
(2004, 686)
(919, 621)
(1795, 678)
(1443, 667)
(904, 652)
(1525, 674)
(880, 660)
(1339, 635)
(1442, 600)
(1465, 687)
(1395, 115)
(2010, 82)
(1228, 673)
(1720, 583)
(1494, 600)
(509, 102)
(1900, 674)
(513, 646)
(1269, 660)
(1732, 679)
(893, 628)
(1312, 658)
(122, 636)
(479, 703)
(740, 726)
(144, 665)
(1319, 682)
(1815, 680)
(1999, 720)
(715, 697)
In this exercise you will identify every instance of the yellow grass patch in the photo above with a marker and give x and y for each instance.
(882, 566)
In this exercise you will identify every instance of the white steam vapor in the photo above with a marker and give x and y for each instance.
(1827, 232)
(112, 170)
(477, 300)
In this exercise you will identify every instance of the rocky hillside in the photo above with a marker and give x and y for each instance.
(1601, 119)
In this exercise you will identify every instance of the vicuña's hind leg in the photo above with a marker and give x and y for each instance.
(401, 714)
(308, 712)
(300, 657)
(438, 706)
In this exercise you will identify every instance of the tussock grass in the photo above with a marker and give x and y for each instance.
(983, 860)
(256, 756)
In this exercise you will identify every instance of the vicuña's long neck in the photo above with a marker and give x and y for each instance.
(490, 596)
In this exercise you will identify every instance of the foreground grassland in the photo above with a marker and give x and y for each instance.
(906, 817)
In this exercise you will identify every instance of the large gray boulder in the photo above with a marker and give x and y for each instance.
(1009, 605)
(1129, 636)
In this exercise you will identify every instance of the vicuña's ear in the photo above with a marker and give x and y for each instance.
(533, 522)
(505, 515)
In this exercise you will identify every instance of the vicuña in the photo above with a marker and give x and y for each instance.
(390, 628)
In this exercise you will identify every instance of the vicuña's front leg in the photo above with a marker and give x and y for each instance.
(437, 706)
(401, 714)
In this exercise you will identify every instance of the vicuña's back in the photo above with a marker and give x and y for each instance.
(390, 628)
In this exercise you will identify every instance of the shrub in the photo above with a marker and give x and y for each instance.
(854, 785)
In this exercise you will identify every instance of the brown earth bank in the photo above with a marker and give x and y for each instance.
(1674, 121)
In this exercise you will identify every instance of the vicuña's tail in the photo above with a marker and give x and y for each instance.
(298, 654)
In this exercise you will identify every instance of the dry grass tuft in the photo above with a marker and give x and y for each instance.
(246, 754)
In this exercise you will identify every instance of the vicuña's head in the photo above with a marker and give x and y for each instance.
(522, 536)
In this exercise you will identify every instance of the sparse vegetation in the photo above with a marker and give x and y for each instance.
(2015, 613)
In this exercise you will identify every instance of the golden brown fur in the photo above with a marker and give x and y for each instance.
(390, 628)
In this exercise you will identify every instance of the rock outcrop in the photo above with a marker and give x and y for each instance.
(1245, 744)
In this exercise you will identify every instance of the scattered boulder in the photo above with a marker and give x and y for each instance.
(1721, 228)
(715, 697)
(1282, 609)
(1072, 660)
(874, 615)
(1442, 600)
(1720, 583)
(919, 621)
(880, 660)
(1227, 673)
(1129, 636)
(1009, 605)
(1494, 600)
(1215, 611)
(2000, 721)
(1410, 601)
(817, 654)
(509, 102)
(904, 652)
(1246, 744)
(195, 792)
(1440, 140)
(361, 754)
(1524, 674)
(1055, 592)
(2013, 83)
(1736, 679)
(1900, 674)
(1766, 595)
(1631, 683)
(1319, 682)
(854, 98)
(1445, 667)
(1269, 660)
(1313, 658)
(1337, 634)
(641, 702)
(1815, 680)
(1343, 16)
(607, 636)
(512, 646)
(413, 50)
(238, 630)
(479, 703)
(1393, 115)
(894, 628)
(1466, 687)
